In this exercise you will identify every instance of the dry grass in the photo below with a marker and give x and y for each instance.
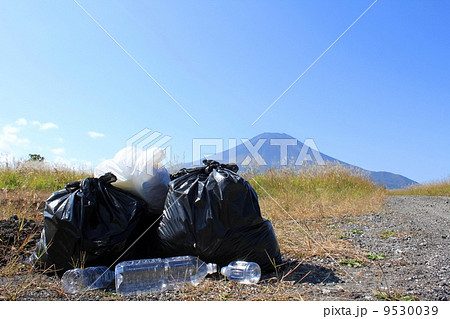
(17, 278)
(316, 192)
(306, 239)
(299, 203)
(435, 188)
(25, 187)
(23, 203)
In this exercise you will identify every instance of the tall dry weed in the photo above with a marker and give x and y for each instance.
(316, 192)
(434, 188)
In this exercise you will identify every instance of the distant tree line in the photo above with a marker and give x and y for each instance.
(36, 158)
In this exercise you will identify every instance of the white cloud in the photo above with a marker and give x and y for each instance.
(95, 134)
(22, 122)
(9, 138)
(59, 151)
(9, 129)
(45, 126)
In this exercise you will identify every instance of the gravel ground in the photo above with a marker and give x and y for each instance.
(399, 253)
(413, 233)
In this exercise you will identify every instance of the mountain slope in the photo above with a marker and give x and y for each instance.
(277, 150)
(391, 180)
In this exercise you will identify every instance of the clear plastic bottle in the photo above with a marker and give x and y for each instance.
(156, 275)
(244, 272)
(90, 278)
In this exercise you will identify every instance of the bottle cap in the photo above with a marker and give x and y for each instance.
(211, 268)
(224, 271)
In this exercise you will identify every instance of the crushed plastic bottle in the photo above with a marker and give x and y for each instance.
(156, 275)
(244, 272)
(84, 279)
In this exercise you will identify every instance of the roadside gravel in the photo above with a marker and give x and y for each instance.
(413, 233)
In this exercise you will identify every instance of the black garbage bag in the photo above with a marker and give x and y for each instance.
(213, 213)
(89, 223)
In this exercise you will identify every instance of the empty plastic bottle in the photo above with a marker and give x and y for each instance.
(78, 280)
(156, 275)
(244, 272)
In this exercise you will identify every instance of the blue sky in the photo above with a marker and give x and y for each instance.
(378, 98)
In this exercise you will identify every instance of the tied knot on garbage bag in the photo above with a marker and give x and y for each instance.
(90, 223)
(213, 213)
(209, 166)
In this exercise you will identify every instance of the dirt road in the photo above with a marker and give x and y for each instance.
(413, 233)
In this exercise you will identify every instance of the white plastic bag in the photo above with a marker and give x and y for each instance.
(141, 173)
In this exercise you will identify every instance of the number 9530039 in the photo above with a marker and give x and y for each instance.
(410, 310)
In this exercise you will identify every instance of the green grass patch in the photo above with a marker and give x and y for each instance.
(37, 176)
(355, 263)
(387, 233)
(393, 296)
(373, 256)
